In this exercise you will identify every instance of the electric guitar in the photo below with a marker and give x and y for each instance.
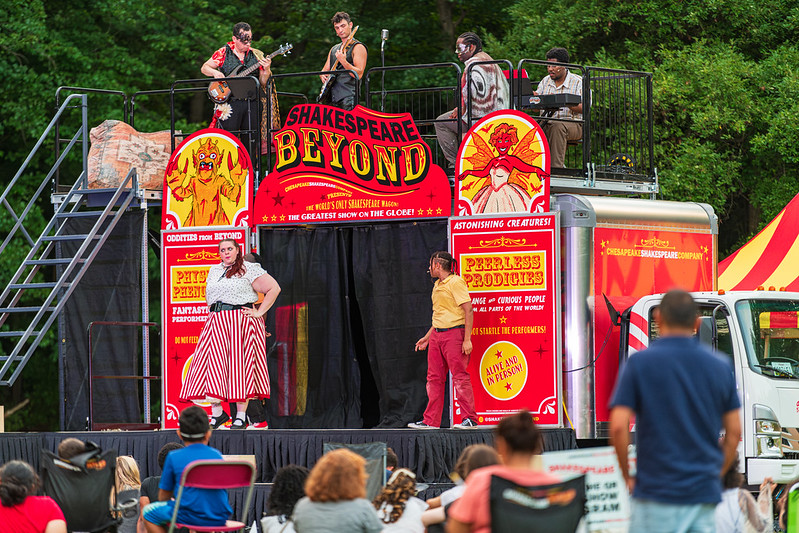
(219, 91)
(323, 94)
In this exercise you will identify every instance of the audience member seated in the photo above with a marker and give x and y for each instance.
(559, 132)
(71, 447)
(148, 492)
(336, 497)
(782, 505)
(392, 462)
(21, 512)
(517, 440)
(487, 91)
(287, 488)
(201, 507)
(396, 505)
(738, 510)
(471, 458)
(127, 488)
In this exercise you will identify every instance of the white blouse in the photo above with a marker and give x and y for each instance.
(236, 290)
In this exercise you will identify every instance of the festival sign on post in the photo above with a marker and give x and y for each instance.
(334, 166)
(608, 502)
(503, 166)
(186, 257)
(510, 265)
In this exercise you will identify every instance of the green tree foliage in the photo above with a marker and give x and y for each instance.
(726, 75)
(724, 91)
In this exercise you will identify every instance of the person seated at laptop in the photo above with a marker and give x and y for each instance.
(561, 80)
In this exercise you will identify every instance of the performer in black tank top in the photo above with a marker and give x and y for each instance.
(343, 90)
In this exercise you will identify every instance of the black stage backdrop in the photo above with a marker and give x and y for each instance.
(109, 291)
(367, 300)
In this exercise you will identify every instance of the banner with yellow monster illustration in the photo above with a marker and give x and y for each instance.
(207, 197)
(208, 182)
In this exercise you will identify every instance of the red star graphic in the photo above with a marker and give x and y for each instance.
(278, 199)
(508, 386)
(499, 354)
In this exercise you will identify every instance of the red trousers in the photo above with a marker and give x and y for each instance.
(445, 352)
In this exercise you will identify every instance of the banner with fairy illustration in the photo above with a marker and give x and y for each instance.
(510, 265)
(503, 166)
(208, 182)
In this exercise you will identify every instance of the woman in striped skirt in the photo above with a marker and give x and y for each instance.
(229, 363)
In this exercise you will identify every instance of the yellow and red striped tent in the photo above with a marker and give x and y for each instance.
(770, 259)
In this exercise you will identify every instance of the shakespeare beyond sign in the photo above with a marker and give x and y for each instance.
(510, 266)
(334, 166)
(503, 166)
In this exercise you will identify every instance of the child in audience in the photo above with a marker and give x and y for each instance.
(396, 505)
(287, 489)
(202, 507)
(148, 492)
(471, 458)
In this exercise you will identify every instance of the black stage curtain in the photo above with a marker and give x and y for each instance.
(109, 291)
(367, 299)
(311, 267)
(393, 291)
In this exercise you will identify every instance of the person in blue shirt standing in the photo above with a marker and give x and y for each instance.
(682, 395)
(201, 507)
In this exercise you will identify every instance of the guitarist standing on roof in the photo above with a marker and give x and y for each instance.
(351, 58)
(237, 53)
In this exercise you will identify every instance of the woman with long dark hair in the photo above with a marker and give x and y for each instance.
(287, 488)
(229, 363)
(21, 511)
(517, 440)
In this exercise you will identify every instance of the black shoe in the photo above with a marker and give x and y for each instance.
(217, 421)
(239, 423)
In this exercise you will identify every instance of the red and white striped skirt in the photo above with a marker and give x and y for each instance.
(230, 360)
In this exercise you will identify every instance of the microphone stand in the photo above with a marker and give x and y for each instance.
(384, 38)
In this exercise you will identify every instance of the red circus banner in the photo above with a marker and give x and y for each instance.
(510, 266)
(186, 256)
(334, 166)
(631, 263)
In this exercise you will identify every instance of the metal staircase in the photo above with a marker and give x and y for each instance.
(31, 302)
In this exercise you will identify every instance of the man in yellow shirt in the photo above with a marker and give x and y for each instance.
(448, 343)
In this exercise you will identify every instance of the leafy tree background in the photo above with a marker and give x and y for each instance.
(726, 74)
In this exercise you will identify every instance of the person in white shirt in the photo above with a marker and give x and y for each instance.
(569, 127)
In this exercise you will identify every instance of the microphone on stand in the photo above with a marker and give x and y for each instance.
(384, 38)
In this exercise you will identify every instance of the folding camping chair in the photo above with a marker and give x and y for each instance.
(216, 474)
(82, 486)
(555, 508)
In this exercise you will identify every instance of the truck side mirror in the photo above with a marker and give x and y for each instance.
(707, 331)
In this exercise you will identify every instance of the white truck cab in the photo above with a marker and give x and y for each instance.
(759, 332)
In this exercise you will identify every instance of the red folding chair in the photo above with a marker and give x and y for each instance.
(216, 474)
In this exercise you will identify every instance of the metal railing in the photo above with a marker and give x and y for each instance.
(145, 378)
(426, 105)
(85, 140)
